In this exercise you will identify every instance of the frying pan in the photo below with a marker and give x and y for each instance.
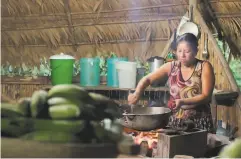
(145, 118)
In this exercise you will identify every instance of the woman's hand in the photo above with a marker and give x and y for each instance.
(133, 98)
(179, 103)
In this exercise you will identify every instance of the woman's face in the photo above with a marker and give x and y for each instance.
(185, 53)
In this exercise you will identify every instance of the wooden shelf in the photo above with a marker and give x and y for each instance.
(25, 80)
(106, 88)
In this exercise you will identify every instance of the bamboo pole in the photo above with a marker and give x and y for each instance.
(128, 9)
(220, 55)
(106, 23)
(112, 11)
(91, 17)
(100, 42)
(70, 24)
(167, 47)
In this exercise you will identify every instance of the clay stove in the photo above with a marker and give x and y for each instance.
(172, 142)
(192, 143)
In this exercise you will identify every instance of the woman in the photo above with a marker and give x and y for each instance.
(191, 83)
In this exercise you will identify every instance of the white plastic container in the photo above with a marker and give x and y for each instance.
(126, 74)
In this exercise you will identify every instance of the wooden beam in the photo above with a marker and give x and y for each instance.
(167, 47)
(100, 42)
(226, 68)
(110, 11)
(193, 3)
(104, 23)
(70, 25)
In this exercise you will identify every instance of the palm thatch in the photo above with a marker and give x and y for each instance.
(33, 29)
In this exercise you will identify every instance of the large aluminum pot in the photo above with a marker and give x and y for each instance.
(146, 118)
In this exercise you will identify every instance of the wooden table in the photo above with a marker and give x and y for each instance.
(17, 148)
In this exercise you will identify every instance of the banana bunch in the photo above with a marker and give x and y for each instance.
(66, 113)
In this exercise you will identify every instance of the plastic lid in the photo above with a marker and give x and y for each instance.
(61, 56)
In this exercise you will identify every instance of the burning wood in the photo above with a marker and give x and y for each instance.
(147, 141)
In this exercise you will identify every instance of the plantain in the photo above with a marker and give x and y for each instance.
(60, 100)
(68, 91)
(64, 111)
(51, 136)
(38, 106)
(68, 126)
(15, 127)
(24, 106)
(10, 110)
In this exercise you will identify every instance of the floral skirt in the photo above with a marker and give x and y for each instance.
(201, 121)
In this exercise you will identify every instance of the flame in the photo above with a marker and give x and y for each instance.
(150, 137)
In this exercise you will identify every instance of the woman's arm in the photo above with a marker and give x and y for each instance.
(208, 82)
(161, 73)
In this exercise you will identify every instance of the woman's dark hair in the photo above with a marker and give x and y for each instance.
(189, 38)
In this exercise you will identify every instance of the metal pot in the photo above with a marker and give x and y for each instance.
(155, 63)
(146, 118)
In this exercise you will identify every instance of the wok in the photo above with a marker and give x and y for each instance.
(145, 118)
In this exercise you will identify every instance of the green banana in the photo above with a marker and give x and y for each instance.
(64, 111)
(60, 100)
(24, 106)
(38, 104)
(51, 136)
(99, 98)
(15, 127)
(74, 126)
(68, 91)
(10, 110)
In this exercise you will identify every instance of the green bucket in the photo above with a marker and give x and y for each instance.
(61, 69)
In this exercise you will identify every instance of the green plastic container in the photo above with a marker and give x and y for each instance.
(90, 72)
(61, 69)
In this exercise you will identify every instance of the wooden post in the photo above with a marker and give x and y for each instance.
(167, 47)
(193, 3)
(70, 24)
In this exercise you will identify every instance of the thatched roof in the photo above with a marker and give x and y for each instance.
(72, 23)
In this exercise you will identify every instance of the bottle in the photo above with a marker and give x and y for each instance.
(220, 129)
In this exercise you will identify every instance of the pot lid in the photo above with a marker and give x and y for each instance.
(61, 56)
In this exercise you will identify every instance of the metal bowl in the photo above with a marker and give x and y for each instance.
(146, 118)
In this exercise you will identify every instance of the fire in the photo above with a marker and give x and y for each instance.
(149, 137)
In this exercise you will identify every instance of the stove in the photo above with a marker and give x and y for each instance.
(191, 143)
(171, 142)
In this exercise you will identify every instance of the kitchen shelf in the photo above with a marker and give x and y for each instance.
(106, 88)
